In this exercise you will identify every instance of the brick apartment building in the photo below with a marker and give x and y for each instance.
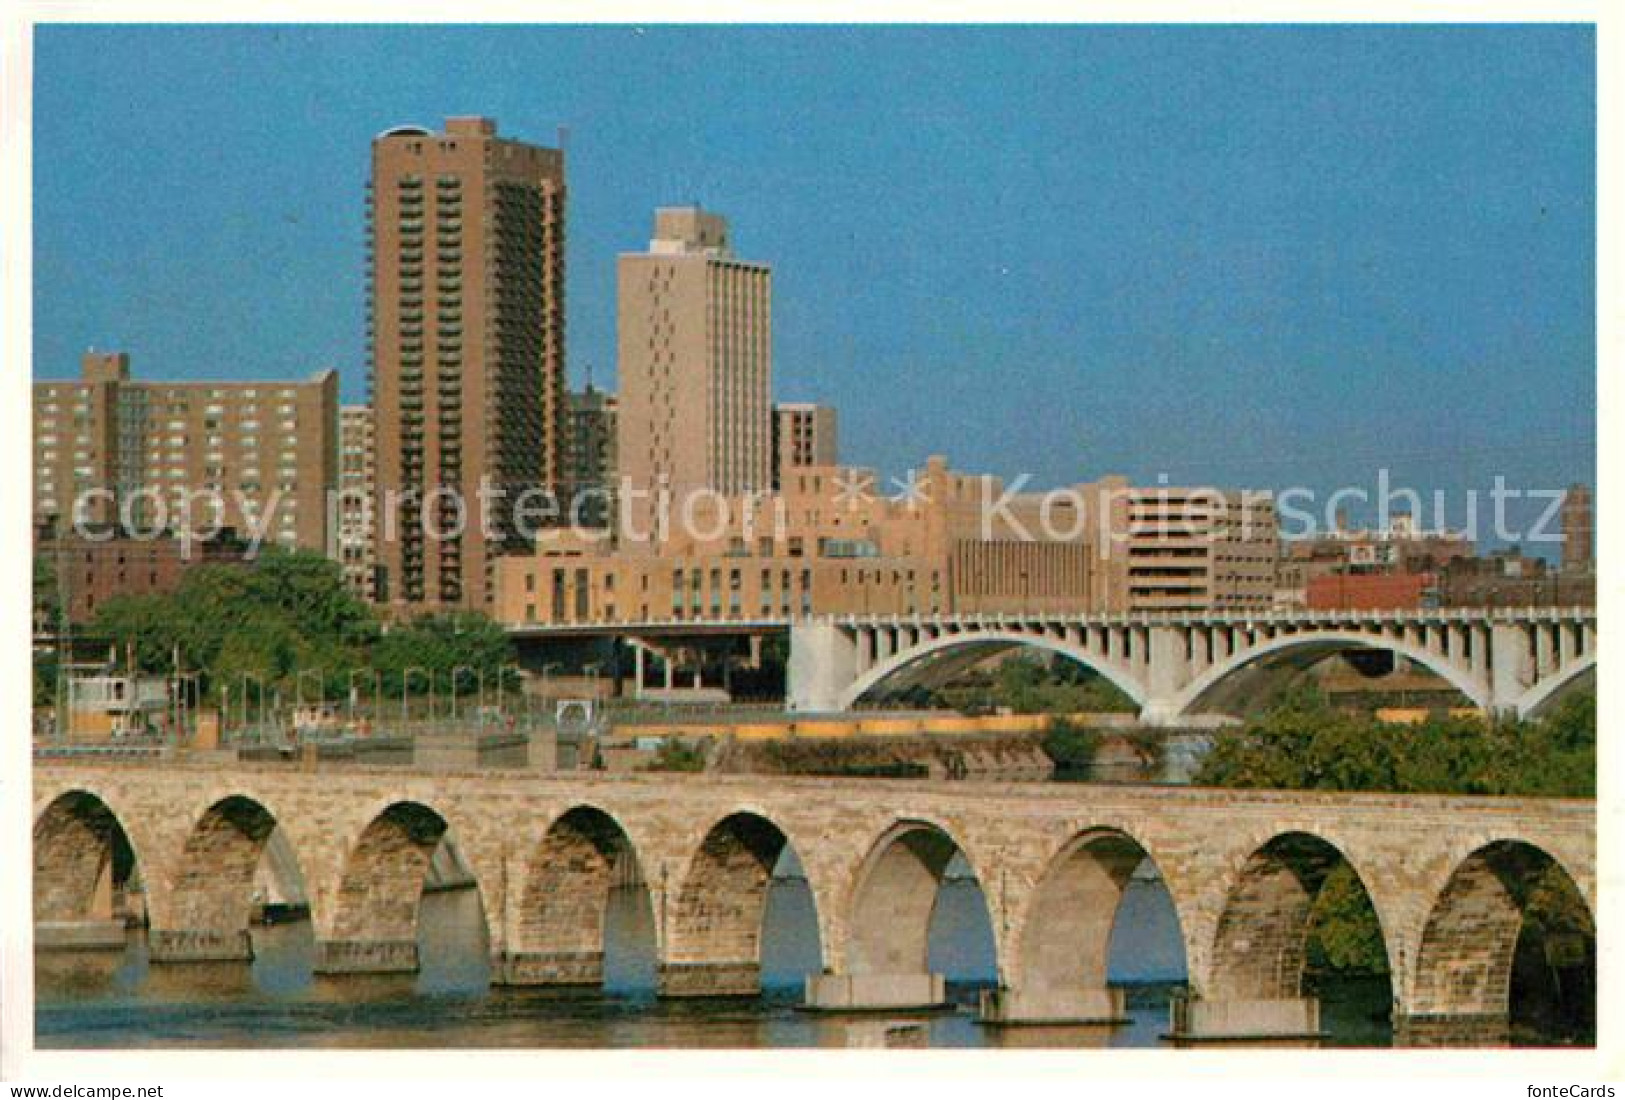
(255, 457)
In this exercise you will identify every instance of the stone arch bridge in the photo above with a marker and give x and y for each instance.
(1445, 875)
(1505, 661)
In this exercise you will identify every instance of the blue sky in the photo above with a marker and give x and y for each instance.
(1259, 256)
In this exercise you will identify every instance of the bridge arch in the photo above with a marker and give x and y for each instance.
(212, 884)
(1462, 984)
(83, 853)
(558, 934)
(993, 641)
(1066, 931)
(1539, 700)
(1260, 941)
(1311, 646)
(371, 921)
(714, 944)
(894, 894)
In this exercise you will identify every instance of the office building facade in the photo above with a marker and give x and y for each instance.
(831, 541)
(804, 435)
(695, 338)
(1195, 550)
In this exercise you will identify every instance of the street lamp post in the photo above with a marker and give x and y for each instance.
(406, 682)
(454, 674)
(350, 692)
(299, 687)
(190, 701)
(260, 683)
(503, 675)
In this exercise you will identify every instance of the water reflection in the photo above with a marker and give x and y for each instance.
(119, 1000)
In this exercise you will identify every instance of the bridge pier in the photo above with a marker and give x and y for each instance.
(1161, 712)
(199, 945)
(1452, 1030)
(548, 968)
(709, 979)
(79, 935)
(823, 663)
(1052, 1005)
(366, 956)
(874, 992)
(1245, 1020)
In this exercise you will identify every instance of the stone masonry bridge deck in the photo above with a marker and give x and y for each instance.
(1445, 875)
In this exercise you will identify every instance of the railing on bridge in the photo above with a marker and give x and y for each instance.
(91, 753)
(1109, 618)
(1307, 616)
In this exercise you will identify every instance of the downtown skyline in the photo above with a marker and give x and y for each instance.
(1107, 280)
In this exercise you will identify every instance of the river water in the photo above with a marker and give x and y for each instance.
(116, 1000)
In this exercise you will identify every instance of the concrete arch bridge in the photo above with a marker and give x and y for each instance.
(1514, 662)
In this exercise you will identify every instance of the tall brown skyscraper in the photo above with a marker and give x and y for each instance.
(466, 267)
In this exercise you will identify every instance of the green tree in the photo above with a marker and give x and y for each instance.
(1029, 683)
(288, 612)
(1071, 746)
(45, 667)
(47, 596)
(1305, 744)
(677, 756)
(1344, 935)
(441, 644)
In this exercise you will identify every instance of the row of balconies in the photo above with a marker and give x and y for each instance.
(411, 290)
(448, 316)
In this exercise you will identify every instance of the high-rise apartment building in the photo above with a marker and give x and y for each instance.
(257, 457)
(804, 435)
(695, 340)
(466, 267)
(357, 547)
